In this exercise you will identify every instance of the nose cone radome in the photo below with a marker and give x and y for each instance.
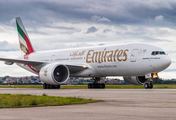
(166, 62)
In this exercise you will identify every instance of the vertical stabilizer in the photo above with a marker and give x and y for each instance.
(25, 44)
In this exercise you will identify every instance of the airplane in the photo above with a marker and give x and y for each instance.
(138, 63)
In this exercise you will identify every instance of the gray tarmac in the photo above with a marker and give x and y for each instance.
(119, 104)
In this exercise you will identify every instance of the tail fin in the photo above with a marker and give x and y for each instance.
(25, 44)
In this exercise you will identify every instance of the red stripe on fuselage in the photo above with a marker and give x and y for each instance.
(26, 58)
(30, 49)
(32, 69)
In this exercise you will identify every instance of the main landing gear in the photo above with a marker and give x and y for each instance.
(149, 84)
(48, 86)
(96, 85)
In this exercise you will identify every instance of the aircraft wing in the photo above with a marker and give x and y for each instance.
(10, 61)
(74, 68)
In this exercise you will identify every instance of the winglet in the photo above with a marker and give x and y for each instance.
(25, 44)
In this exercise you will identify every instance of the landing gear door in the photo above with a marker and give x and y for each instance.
(134, 55)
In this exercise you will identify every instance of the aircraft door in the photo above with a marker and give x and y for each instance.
(134, 55)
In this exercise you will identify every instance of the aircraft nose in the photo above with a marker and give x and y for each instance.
(166, 61)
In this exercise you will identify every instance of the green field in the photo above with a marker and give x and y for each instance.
(163, 86)
(13, 101)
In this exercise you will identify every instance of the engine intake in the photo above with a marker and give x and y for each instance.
(54, 74)
(135, 80)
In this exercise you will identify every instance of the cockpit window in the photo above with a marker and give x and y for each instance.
(153, 53)
(158, 52)
(163, 53)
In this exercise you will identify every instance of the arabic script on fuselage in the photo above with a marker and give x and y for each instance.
(77, 53)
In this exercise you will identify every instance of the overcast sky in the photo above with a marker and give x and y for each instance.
(57, 24)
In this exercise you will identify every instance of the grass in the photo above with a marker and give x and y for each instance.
(19, 100)
(162, 86)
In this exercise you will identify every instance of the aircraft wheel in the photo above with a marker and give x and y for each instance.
(51, 86)
(146, 85)
(151, 85)
(96, 86)
(44, 86)
(47, 86)
(54, 87)
(89, 86)
(93, 85)
(101, 86)
(58, 87)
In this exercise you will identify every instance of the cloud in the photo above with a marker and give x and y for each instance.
(169, 70)
(3, 44)
(96, 18)
(58, 24)
(6, 46)
(106, 30)
(151, 39)
(172, 51)
(91, 30)
(159, 18)
(114, 11)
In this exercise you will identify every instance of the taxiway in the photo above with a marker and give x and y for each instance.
(121, 104)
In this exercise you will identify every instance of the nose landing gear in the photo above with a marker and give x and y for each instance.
(149, 84)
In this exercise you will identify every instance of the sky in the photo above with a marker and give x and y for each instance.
(57, 24)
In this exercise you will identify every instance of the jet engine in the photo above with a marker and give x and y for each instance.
(54, 74)
(135, 80)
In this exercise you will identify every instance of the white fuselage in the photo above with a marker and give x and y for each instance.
(133, 59)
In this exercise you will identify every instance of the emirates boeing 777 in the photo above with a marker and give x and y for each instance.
(138, 63)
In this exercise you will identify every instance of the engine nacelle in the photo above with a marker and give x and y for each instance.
(135, 80)
(54, 74)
